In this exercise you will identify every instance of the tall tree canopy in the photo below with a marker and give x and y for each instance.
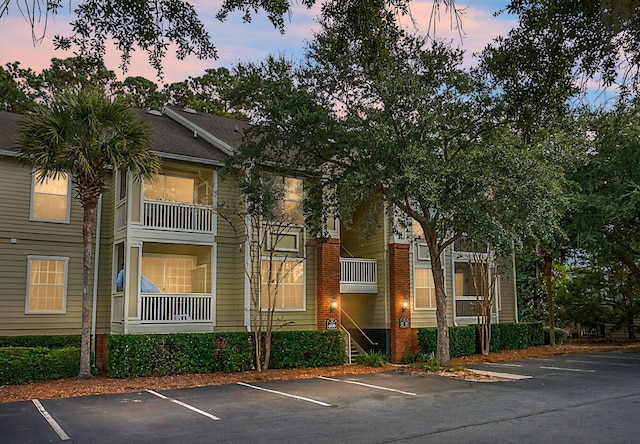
(394, 116)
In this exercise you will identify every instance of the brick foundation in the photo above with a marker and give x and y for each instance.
(328, 282)
(403, 340)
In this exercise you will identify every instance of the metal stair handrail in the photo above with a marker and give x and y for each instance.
(358, 327)
(348, 341)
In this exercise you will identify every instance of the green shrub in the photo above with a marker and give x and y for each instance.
(462, 340)
(146, 355)
(316, 348)
(561, 335)
(375, 359)
(53, 341)
(412, 358)
(514, 336)
(21, 365)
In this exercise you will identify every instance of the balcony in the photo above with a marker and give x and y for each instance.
(358, 275)
(177, 216)
(175, 308)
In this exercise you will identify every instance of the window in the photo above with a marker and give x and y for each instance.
(170, 188)
(50, 199)
(173, 274)
(417, 229)
(290, 197)
(470, 279)
(424, 289)
(47, 284)
(283, 284)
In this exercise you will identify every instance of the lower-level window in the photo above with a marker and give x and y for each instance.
(425, 289)
(47, 284)
(282, 284)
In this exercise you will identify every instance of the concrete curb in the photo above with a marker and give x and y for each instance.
(507, 376)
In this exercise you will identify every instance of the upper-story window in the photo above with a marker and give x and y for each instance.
(417, 229)
(289, 199)
(50, 199)
(190, 187)
(170, 188)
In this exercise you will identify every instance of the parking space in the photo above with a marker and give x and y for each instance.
(582, 364)
(362, 408)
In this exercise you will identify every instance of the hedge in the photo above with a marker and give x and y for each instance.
(464, 340)
(59, 341)
(156, 355)
(560, 336)
(318, 348)
(21, 365)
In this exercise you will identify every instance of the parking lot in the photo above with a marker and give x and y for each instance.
(588, 398)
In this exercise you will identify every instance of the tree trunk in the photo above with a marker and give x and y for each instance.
(444, 359)
(88, 232)
(548, 263)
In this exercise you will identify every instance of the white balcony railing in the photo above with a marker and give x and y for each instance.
(175, 308)
(358, 275)
(178, 216)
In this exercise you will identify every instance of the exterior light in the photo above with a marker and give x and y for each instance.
(334, 305)
(405, 305)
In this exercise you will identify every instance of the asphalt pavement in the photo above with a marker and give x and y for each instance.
(585, 398)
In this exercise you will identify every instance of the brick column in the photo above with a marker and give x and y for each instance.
(328, 281)
(403, 340)
(102, 351)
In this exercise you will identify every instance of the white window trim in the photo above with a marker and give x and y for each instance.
(64, 291)
(304, 282)
(67, 220)
(413, 287)
(296, 234)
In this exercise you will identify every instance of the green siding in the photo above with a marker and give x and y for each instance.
(34, 238)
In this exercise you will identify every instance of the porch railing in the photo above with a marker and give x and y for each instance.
(468, 306)
(175, 308)
(178, 216)
(358, 275)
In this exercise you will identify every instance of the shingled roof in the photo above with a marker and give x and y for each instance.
(169, 137)
(8, 131)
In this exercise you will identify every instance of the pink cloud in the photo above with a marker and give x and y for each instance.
(235, 41)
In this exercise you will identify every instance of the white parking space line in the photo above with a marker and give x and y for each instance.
(568, 369)
(185, 405)
(601, 362)
(52, 422)
(501, 364)
(616, 356)
(367, 385)
(301, 398)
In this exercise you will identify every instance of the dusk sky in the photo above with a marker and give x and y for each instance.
(243, 42)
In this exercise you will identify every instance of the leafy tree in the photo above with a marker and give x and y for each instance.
(85, 135)
(63, 74)
(605, 224)
(139, 92)
(393, 116)
(257, 221)
(11, 97)
(600, 39)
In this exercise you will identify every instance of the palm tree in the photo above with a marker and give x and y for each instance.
(87, 136)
